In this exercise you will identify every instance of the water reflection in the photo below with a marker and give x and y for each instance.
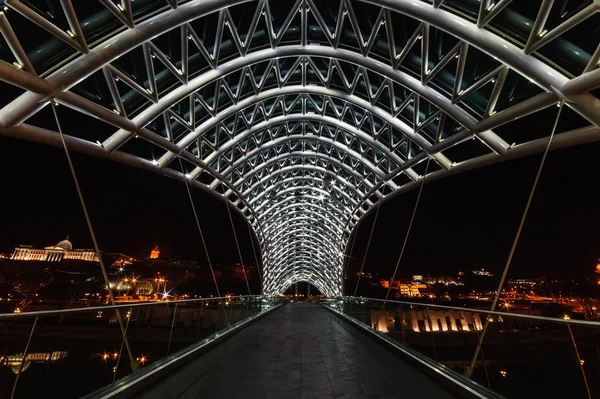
(18, 364)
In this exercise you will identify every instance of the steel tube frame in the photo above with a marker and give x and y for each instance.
(556, 86)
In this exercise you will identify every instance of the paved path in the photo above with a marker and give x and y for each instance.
(298, 351)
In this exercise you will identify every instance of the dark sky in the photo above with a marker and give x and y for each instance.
(463, 222)
(131, 210)
(469, 220)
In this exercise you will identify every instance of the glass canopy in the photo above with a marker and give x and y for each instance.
(305, 114)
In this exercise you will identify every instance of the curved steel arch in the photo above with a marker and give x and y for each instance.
(399, 103)
(304, 216)
(303, 263)
(283, 258)
(298, 154)
(280, 204)
(293, 179)
(373, 170)
(312, 190)
(245, 135)
(291, 208)
(335, 177)
(321, 234)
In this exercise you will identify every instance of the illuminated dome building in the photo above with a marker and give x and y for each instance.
(54, 253)
(304, 114)
(65, 245)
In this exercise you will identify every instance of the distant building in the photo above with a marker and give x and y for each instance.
(434, 279)
(365, 275)
(482, 272)
(56, 253)
(155, 253)
(120, 260)
(407, 289)
(521, 281)
(412, 289)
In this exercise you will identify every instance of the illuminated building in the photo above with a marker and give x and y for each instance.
(412, 289)
(421, 320)
(121, 260)
(521, 281)
(155, 253)
(55, 253)
(434, 279)
(405, 289)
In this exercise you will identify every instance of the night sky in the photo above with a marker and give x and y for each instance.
(463, 222)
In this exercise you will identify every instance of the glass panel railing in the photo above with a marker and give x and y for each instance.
(520, 347)
(73, 352)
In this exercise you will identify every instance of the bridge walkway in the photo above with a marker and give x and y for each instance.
(298, 351)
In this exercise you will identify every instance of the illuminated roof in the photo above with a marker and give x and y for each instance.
(65, 244)
(303, 114)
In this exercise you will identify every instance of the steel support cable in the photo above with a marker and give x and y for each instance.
(368, 245)
(410, 224)
(469, 370)
(255, 254)
(346, 265)
(25, 352)
(212, 270)
(132, 361)
(580, 362)
(237, 244)
(121, 348)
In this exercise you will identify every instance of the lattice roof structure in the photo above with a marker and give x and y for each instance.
(303, 114)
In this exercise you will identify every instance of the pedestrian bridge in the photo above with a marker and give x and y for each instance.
(299, 351)
(303, 116)
(271, 347)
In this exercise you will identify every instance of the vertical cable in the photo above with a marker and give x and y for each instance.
(368, 245)
(580, 362)
(172, 325)
(412, 219)
(346, 265)
(12, 394)
(212, 270)
(93, 235)
(469, 370)
(237, 244)
(487, 376)
(255, 254)
(121, 349)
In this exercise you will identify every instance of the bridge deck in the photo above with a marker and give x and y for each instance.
(298, 351)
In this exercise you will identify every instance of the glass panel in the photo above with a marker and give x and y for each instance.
(44, 51)
(519, 348)
(572, 57)
(51, 11)
(96, 22)
(143, 9)
(468, 9)
(72, 353)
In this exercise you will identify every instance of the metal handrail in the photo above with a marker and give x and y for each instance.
(488, 312)
(430, 366)
(111, 307)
